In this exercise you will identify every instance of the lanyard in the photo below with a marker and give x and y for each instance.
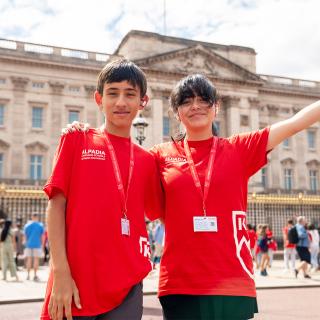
(117, 173)
(194, 173)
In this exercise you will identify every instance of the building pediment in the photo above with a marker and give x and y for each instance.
(287, 161)
(197, 59)
(37, 146)
(313, 163)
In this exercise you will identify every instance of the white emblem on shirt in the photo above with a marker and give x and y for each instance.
(239, 227)
(93, 154)
(145, 247)
(175, 159)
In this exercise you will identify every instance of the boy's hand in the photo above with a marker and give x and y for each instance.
(63, 290)
(75, 126)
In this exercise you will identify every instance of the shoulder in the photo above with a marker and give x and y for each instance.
(248, 136)
(143, 155)
(27, 225)
(165, 147)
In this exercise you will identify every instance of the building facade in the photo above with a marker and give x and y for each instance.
(43, 88)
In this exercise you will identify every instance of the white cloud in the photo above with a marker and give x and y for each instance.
(284, 33)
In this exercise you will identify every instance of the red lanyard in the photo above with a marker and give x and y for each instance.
(209, 170)
(117, 173)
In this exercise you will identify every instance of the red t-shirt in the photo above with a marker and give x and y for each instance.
(209, 263)
(104, 263)
(253, 238)
(287, 244)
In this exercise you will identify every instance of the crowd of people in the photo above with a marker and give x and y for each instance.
(28, 243)
(300, 239)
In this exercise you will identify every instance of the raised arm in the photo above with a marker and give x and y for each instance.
(286, 128)
(64, 288)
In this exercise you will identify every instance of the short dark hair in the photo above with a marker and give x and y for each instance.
(290, 221)
(191, 86)
(122, 70)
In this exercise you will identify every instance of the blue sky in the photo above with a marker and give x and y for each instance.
(284, 33)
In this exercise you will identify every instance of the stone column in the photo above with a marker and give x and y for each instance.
(231, 105)
(274, 163)
(255, 181)
(254, 113)
(20, 123)
(55, 112)
(157, 117)
(92, 113)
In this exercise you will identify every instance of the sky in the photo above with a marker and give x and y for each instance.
(284, 33)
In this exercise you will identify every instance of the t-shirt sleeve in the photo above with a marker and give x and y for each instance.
(154, 202)
(252, 147)
(59, 180)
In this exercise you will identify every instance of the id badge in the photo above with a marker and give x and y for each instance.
(125, 227)
(205, 224)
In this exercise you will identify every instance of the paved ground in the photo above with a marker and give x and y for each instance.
(28, 290)
(274, 304)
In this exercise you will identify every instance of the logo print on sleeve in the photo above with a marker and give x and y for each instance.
(239, 232)
(93, 154)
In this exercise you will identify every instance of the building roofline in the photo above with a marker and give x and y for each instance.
(187, 42)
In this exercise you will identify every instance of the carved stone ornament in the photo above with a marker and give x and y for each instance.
(56, 86)
(34, 146)
(4, 145)
(314, 163)
(287, 162)
(254, 103)
(230, 101)
(19, 82)
(273, 110)
(90, 89)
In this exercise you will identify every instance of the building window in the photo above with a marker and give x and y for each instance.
(1, 165)
(286, 143)
(288, 179)
(38, 85)
(166, 127)
(35, 167)
(264, 179)
(74, 89)
(1, 115)
(313, 175)
(311, 139)
(73, 116)
(37, 113)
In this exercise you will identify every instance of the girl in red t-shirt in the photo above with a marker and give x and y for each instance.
(206, 269)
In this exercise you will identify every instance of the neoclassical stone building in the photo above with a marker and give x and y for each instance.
(42, 88)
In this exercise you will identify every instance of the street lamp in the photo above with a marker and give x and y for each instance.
(140, 124)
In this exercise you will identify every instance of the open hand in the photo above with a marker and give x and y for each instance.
(75, 126)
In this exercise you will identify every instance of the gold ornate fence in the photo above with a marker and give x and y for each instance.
(272, 209)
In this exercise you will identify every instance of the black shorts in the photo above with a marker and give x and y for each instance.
(130, 308)
(194, 307)
(304, 254)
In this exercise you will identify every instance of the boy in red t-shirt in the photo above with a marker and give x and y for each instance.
(98, 239)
